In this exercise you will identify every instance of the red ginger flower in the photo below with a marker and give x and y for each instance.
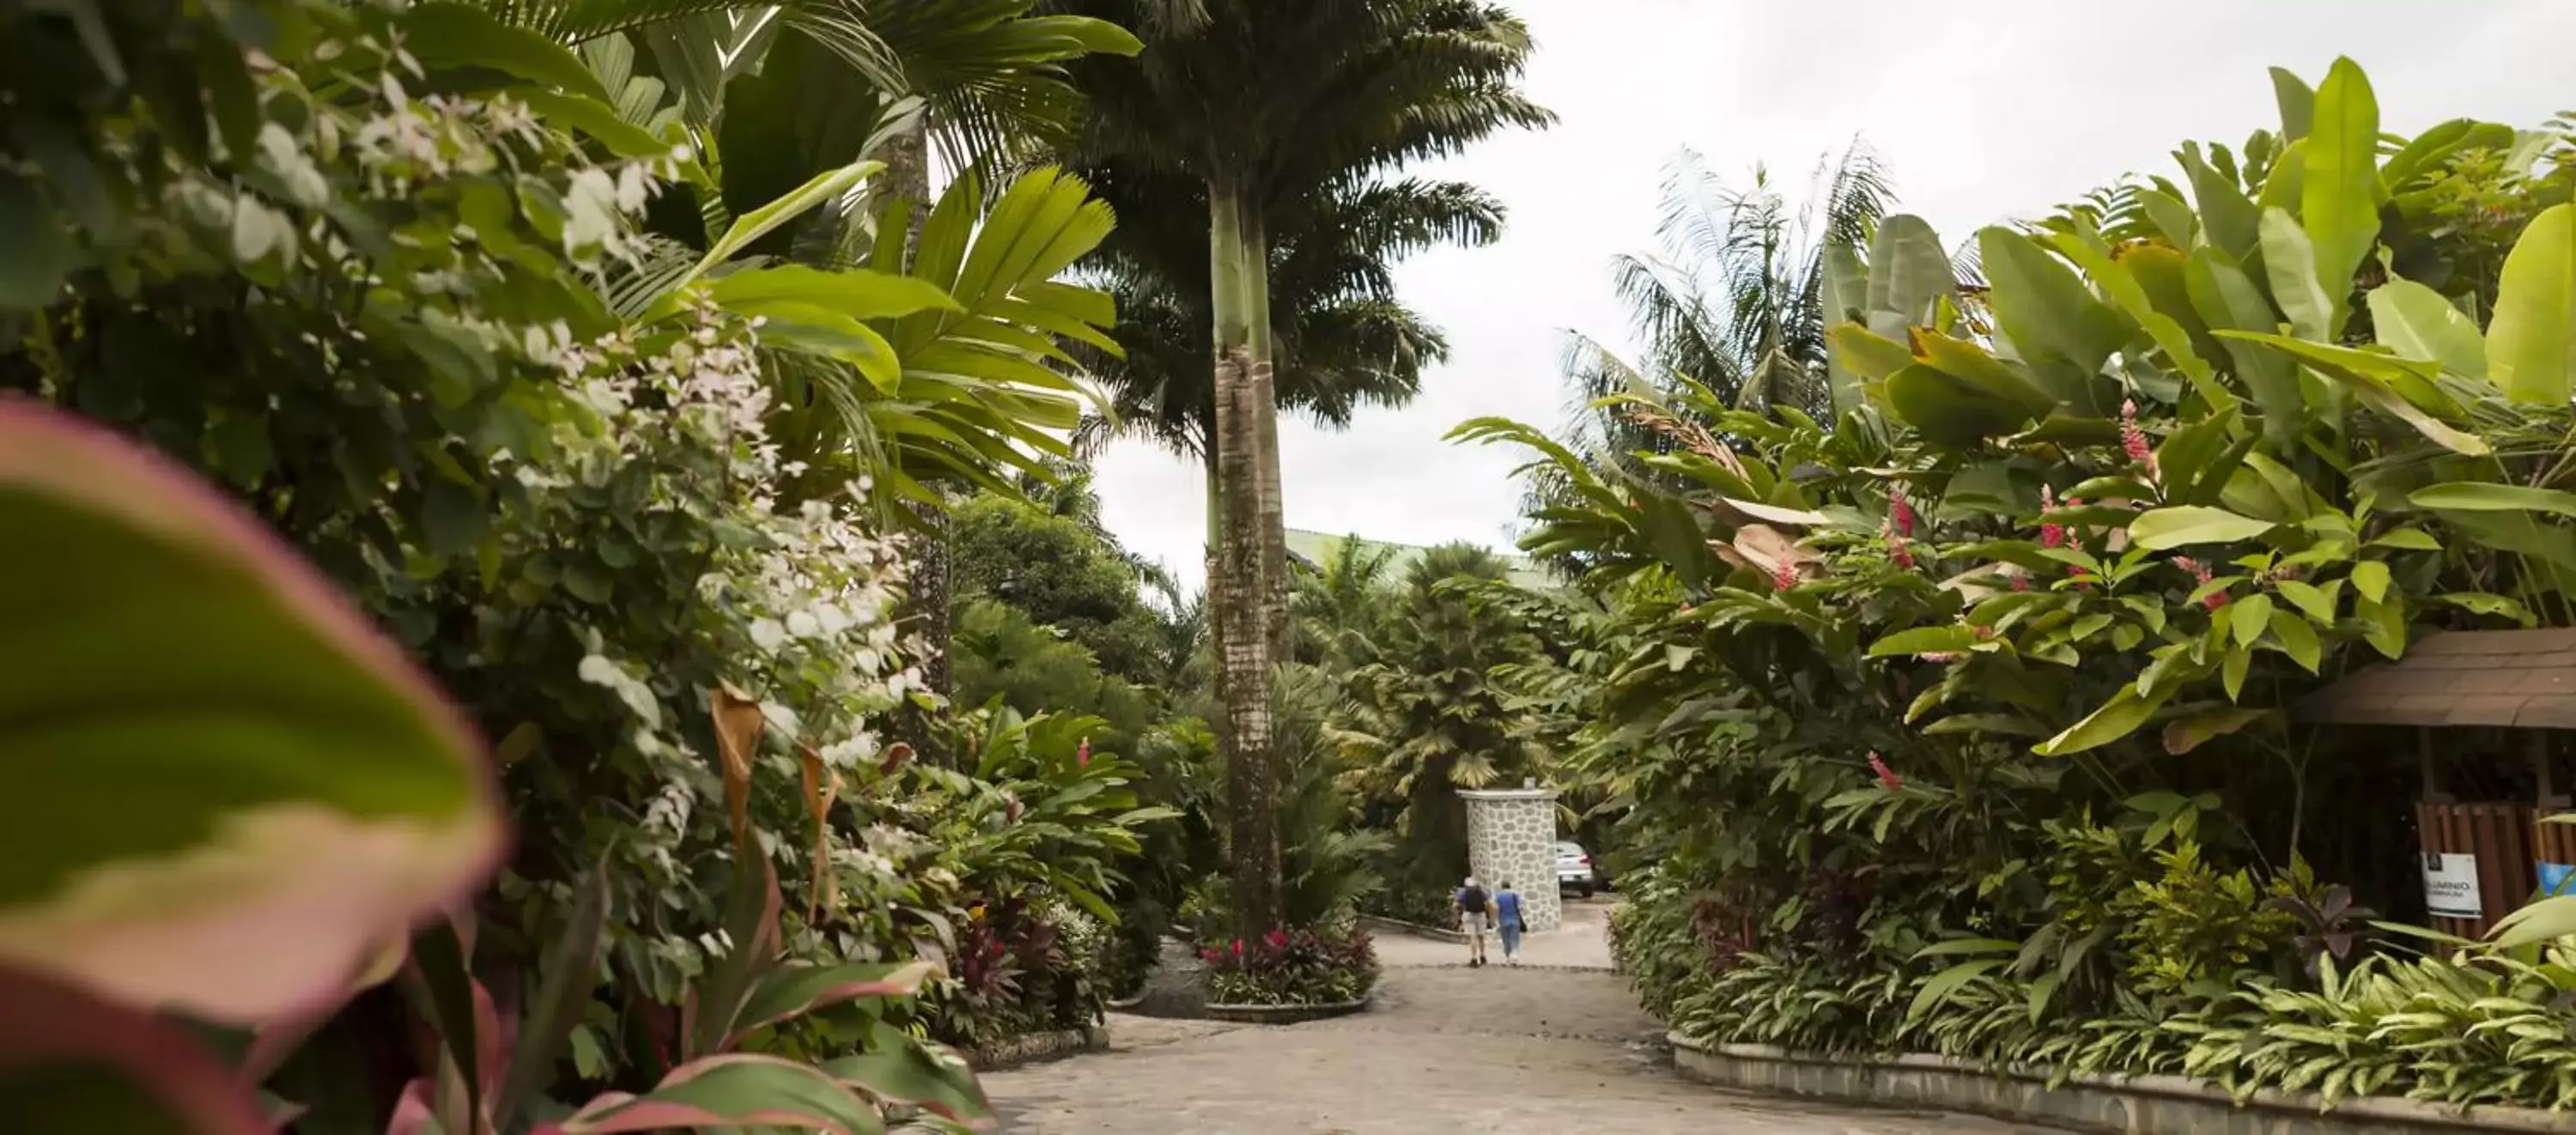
(2020, 579)
(2051, 534)
(1082, 756)
(1896, 549)
(1886, 776)
(2200, 572)
(1784, 573)
(1901, 513)
(2134, 440)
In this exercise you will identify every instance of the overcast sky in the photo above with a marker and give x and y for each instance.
(1983, 111)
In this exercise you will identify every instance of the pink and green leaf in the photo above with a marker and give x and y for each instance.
(795, 990)
(228, 789)
(904, 1071)
(70, 1061)
(734, 1090)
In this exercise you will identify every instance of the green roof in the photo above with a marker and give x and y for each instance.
(1315, 547)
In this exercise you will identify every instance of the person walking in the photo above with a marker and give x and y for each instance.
(1507, 922)
(1475, 908)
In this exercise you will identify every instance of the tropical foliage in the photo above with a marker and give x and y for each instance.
(407, 282)
(1959, 719)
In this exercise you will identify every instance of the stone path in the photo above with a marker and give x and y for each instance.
(1546, 1047)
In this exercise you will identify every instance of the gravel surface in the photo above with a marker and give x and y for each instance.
(1553, 1046)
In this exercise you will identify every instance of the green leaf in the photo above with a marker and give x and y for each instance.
(448, 36)
(1948, 411)
(2297, 103)
(2420, 324)
(2042, 305)
(1908, 269)
(206, 735)
(2185, 525)
(900, 1070)
(2232, 670)
(2226, 213)
(1969, 363)
(563, 993)
(2004, 723)
(2339, 201)
(858, 293)
(40, 249)
(736, 1090)
(1942, 986)
(2400, 388)
(1872, 356)
(2183, 734)
(2249, 616)
(2387, 618)
(1953, 946)
(795, 990)
(2226, 299)
(2298, 640)
(2290, 261)
(2482, 496)
(2114, 719)
(2370, 579)
(2545, 920)
(1925, 640)
(2531, 341)
(2316, 604)
(2112, 277)
(753, 225)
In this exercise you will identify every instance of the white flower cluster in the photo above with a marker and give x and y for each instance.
(805, 598)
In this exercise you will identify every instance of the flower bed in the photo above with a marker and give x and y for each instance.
(1303, 967)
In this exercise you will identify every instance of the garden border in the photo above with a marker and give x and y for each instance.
(2135, 1105)
(1375, 923)
(1030, 1048)
(1286, 1014)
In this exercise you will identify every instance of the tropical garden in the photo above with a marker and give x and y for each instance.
(1941, 615)
(553, 572)
(556, 584)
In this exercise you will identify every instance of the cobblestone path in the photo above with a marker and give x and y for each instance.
(1445, 1049)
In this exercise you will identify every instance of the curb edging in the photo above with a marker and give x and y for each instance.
(2133, 1105)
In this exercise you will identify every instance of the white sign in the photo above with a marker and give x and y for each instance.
(2451, 885)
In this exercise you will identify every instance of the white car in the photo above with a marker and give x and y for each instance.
(1574, 870)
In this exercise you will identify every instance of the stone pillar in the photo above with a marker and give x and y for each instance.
(1511, 836)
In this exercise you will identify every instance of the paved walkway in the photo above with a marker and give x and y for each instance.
(1547, 1047)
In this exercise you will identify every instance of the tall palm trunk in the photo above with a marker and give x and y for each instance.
(906, 182)
(1241, 584)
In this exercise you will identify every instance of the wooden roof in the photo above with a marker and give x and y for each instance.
(2515, 678)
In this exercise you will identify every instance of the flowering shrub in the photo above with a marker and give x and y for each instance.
(1320, 966)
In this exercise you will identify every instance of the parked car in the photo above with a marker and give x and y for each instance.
(1574, 870)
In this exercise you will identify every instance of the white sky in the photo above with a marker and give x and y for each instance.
(1982, 110)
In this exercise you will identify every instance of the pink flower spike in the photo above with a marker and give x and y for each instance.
(2134, 440)
(1886, 776)
(2020, 579)
(1901, 512)
(1784, 573)
(1082, 756)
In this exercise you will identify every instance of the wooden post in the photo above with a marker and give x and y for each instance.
(2424, 765)
(2548, 795)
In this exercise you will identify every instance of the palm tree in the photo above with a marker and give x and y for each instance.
(1343, 597)
(1264, 105)
(1423, 715)
(1342, 338)
(1735, 298)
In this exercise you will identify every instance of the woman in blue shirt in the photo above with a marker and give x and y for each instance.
(1507, 904)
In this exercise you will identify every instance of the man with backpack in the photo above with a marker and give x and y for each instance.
(1475, 913)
